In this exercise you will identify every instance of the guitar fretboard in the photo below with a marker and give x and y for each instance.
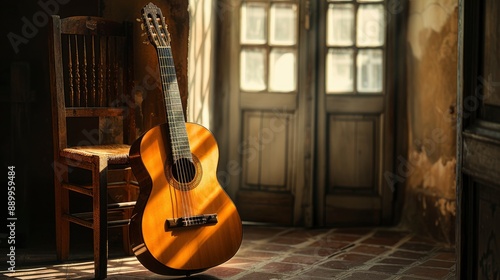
(173, 105)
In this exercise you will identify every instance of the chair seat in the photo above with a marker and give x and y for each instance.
(116, 153)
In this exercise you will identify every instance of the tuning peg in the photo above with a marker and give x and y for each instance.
(138, 20)
(145, 42)
(142, 26)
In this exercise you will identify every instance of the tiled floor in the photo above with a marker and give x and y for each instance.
(292, 253)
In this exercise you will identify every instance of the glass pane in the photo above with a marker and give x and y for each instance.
(283, 24)
(370, 71)
(340, 22)
(252, 69)
(361, 1)
(370, 25)
(253, 23)
(282, 70)
(339, 71)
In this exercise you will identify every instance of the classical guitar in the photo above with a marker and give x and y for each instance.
(183, 221)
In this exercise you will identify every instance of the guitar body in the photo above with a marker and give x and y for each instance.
(161, 245)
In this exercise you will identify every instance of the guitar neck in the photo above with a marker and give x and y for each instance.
(173, 104)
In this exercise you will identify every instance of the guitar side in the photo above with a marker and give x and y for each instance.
(169, 250)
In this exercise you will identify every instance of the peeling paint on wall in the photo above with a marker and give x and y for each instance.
(438, 176)
(427, 16)
(430, 205)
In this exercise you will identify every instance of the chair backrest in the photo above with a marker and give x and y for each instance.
(91, 77)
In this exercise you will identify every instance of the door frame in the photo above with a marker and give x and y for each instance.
(473, 134)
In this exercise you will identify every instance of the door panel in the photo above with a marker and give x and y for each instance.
(267, 149)
(352, 139)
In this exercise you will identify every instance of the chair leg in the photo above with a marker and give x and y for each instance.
(61, 207)
(100, 217)
(126, 238)
(127, 213)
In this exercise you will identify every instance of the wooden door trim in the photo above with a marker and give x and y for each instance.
(469, 12)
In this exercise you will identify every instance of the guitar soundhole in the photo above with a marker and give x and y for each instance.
(184, 171)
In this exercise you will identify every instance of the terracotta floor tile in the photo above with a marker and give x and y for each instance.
(355, 231)
(342, 237)
(435, 273)
(317, 251)
(419, 239)
(322, 272)
(325, 243)
(240, 262)
(272, 247)
(445, 256)
(437, 263)
(287, 240)
(418, 247)
(392, 234)
(259, 276)
(385, 268)
(368, 276)
(307, 260)
(257, 255)
(343, 265)
(400, 261)
(224, 272)
(412, 278)
(368, 249)
(281, 268)
(305, 233)
(354, 257)
(381, 241)
(408, 255)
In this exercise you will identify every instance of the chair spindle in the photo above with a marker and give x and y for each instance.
(77, 73)
(84, 74)
(93, 77)
(70, 68)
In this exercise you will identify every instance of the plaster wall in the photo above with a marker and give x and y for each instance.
(430, 204)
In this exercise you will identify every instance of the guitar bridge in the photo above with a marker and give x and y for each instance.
(191, 221)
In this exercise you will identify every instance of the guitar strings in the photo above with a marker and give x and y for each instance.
(182, 164)
(170, 115)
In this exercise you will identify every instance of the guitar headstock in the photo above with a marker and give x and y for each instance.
(155, 26)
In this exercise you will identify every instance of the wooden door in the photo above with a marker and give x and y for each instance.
(478, 135)
(355, 119)
(260, 56)
(309, 122)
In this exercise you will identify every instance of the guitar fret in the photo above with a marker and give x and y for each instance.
(175, 113)
(180, 138)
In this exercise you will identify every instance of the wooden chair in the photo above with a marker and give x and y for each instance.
(93, 123)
